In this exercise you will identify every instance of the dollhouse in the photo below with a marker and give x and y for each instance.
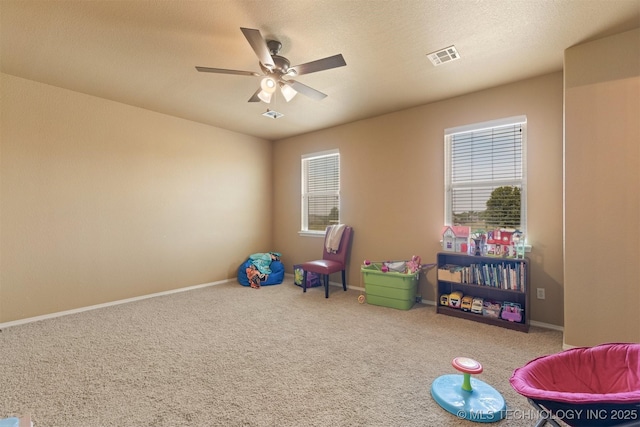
(455, 238)
(499, 242)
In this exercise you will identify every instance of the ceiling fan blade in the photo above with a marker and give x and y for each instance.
(255, 98)
(225, 71)
(305, 90)
(259, 46)
(320, 65)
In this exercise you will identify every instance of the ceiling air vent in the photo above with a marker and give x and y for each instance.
(442, 56)
(272, 114)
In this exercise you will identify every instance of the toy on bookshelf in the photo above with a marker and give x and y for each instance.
(455, 299)
(476, 305)
(444, 299)
(499, 242)
(476, 243)
(455, 238)
(465, 305)
(518, 244)
(491, 308)
(512, 312)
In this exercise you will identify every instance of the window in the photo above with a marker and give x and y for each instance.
(485, 175)
(320, 190)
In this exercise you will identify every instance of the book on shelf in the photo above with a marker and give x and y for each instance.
(505, 275)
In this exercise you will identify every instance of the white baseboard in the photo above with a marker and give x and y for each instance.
(108, 304)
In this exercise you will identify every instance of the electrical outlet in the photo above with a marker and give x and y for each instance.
(540, 293)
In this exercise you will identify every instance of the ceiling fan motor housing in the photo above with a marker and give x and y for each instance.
(281, 67)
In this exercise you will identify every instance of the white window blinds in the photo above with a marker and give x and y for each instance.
(485, 175)
(320, 190)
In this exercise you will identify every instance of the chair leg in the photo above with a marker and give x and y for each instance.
(304, 280)
(344, 281)
(326, 286)
(547, 417)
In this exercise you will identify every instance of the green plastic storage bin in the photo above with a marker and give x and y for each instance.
(390, 289)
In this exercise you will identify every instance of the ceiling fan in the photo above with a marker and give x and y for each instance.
(276, 70)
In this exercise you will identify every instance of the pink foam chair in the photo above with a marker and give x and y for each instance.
(584, 386)
(330, 262)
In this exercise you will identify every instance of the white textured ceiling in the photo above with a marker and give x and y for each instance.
(144, 52)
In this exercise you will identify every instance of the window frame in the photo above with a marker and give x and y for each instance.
(448, 161)
(305, 195)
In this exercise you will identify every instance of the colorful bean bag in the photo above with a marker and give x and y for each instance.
(272, 272)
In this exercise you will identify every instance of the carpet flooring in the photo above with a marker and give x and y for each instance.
(228, 355)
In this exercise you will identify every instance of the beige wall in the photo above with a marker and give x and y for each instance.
(101, 201)
(602, 186)
(393, 191)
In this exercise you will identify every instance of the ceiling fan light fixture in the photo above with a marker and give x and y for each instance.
(287, 92)
(265, 96)
(268, 85)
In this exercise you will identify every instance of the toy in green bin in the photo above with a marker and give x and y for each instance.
(412, 266)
